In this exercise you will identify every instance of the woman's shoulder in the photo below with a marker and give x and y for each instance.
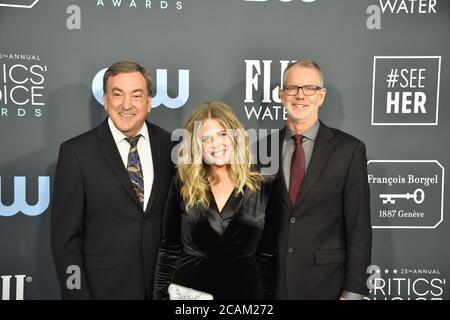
(267, 181)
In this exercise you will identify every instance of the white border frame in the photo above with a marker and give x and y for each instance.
(19, 5)
(442, 195)
(435, 123)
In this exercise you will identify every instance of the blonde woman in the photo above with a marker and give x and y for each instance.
(215, 244)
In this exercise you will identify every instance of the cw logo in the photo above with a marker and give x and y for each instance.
(20, 285)
(20, 199)
(161, 97)
(28, 4)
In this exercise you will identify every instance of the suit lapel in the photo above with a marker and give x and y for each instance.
(323, 148)
(109, 151)
(230, 208)
(155, 145)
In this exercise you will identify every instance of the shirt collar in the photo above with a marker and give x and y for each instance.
(118, 136)
(310, 134)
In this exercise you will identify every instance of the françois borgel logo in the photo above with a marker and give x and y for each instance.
(262, 80)
(22, 85)
(406, 194)
(27, 4)
(395, 7)
(162, 96)
(406, 283)
(405, 90)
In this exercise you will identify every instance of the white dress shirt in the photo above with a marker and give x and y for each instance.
(145, 155)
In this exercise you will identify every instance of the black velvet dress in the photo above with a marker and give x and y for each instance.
(229, 254)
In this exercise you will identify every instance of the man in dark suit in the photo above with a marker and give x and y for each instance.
(319, 205)
(109, 193)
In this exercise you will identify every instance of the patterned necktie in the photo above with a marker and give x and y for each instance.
(134, 169)
(297, 169)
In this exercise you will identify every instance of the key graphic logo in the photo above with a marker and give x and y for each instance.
(418, 197)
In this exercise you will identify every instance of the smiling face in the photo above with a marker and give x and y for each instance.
(301, 109)
(127, 101)
(217, 145)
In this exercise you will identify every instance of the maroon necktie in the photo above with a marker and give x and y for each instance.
(297, 169)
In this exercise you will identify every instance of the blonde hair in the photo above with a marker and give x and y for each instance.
(195, 174)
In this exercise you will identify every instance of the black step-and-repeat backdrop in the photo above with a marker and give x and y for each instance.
(386, 68)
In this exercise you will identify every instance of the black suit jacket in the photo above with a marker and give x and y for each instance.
(324, 241)
(97, 223)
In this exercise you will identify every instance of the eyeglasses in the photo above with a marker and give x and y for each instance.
(308, 90)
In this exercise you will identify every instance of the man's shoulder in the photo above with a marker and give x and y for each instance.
(344, 137)
(82, 139)
(157, 130)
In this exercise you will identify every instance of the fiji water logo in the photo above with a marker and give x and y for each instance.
(397, 7)
(162, 95)
(20, 198)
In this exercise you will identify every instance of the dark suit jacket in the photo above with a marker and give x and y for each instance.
(324, 241)
(97, 223)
